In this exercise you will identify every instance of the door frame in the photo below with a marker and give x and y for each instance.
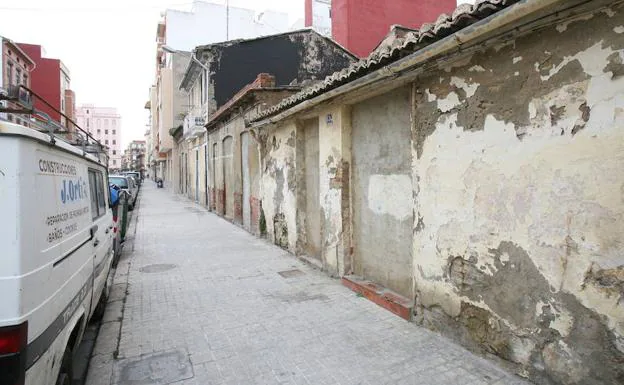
(197, 174)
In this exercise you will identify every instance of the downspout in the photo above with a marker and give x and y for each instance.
(460, 38)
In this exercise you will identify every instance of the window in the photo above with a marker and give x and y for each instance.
(87, 111)
(93, 194)
(98, 131)
(25, 80)
(114, 152)
(102, 203)
(18, 77)
(106, 132)
(106, 141)
(105, 123)
(202, 89)
(10, 72)
(87, 123)
(114, 162)
(114, 141)
(114, 131)
(114, 124)
(98, 197)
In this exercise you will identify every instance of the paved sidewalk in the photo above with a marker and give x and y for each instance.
(207, 304)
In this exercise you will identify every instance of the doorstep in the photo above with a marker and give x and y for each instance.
(383, 297)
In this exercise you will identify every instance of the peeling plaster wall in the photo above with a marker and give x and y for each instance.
(311, 202)
(382, 190)
(278, 186)
(334, 189)
(518, 154)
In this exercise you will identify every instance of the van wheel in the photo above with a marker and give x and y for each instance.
(100, 308)
(66, 371)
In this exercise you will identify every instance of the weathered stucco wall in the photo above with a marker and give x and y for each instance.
(382, 190)
(334, 189)
(278, 187)
(519, 157)
(311, 209)
(230, 190)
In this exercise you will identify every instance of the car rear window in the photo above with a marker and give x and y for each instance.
(121, 182)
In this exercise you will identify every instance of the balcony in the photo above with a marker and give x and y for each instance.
(194, 125)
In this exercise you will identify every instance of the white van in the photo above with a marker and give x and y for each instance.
(56, 250)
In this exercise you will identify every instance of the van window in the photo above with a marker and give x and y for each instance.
(101, 194)
(93, 194)
(98, 197)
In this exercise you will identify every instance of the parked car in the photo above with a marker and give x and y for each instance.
(127, 184)
(57, 250)
(136, 175)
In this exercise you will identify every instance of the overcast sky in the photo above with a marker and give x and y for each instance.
(109, 47)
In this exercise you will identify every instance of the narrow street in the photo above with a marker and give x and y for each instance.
(208, 303)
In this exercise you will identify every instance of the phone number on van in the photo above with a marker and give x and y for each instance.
(58, 233)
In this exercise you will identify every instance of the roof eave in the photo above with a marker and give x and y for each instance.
(463, 38)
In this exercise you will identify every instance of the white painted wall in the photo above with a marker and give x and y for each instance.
(321, 16)
(206, 24)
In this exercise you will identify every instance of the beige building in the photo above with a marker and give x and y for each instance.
(15, 66)
(167, 111)
(104, 124)
(468, 176)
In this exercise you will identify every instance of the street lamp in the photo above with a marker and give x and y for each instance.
(168, 49)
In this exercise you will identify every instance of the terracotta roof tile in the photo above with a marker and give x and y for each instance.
(463, 16)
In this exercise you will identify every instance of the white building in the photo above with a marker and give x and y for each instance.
(208, 23)
(321, 16)
(104, 124)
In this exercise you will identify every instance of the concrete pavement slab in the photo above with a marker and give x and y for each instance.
(243, 311)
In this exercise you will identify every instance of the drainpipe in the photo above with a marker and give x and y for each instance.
(459, 39)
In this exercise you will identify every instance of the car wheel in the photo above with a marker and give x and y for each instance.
(66, 371)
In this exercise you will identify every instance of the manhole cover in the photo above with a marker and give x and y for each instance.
(154, 369)
(291, 273)
(157, 268)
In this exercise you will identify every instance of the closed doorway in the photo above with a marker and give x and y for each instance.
(228, 181)
(246, 180)
(312, 197)
(197, 175)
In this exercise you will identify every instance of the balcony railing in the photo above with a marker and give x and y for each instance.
(194, 124)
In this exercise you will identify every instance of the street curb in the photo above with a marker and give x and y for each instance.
(106, 347)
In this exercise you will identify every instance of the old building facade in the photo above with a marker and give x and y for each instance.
(214, 79)
(233, 168)
(469, 177)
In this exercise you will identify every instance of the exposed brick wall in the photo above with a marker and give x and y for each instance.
(238, 207)
(255, 205)
(220, 202)
(213, 199)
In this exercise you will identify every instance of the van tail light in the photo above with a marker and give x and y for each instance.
(13, 344)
